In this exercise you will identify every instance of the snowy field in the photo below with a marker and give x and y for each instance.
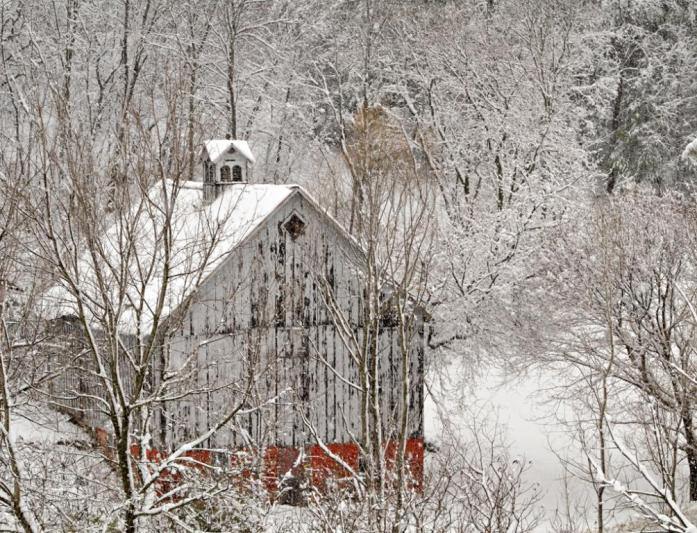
(526, 423)
(528, 428)
(535, 435)
(45, 427)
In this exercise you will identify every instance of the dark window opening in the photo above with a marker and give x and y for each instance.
(389, 313)
(225, 173)
(307, 317)
(304, 386)
(294, 226)
(330, 277)
(299, 309)
(280, 310)
(237, 173)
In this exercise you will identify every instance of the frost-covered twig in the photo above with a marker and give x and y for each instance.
(678, 523)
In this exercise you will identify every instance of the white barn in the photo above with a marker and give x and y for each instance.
(256, 307)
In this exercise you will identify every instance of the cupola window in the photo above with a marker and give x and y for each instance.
(225, 174)
(237, 173)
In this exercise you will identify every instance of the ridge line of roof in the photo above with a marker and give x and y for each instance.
(294, 189)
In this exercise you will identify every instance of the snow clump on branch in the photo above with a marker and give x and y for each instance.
(690, 152)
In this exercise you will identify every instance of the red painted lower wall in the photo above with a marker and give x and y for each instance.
(324, 467)
(315, 465)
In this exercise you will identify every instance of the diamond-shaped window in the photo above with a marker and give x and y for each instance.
(294, 226)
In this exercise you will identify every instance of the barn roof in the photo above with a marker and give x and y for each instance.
(216, 148)
(203, 236)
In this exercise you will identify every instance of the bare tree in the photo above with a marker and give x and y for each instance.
(656, 503)
(472, 484)
(124, 268)
(395, 234)
(626, 328)
(18, 374)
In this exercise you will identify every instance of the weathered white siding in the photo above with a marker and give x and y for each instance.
(262, 313)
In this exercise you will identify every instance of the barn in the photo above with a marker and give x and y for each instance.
(260, 319)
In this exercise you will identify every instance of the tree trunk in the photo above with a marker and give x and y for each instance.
(121, 432)
(232, 101)
(191, 113)
(691, 453)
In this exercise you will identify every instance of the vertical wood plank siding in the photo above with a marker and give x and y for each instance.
(262, 314)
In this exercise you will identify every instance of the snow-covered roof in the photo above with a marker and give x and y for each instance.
(203, 236)
(216, 148)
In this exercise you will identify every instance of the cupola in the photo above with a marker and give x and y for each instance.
(225, 162)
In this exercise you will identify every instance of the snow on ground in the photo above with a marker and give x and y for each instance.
(64, 478)
(31, 424)
(533, 434)
(50, 435)
(288, 519)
